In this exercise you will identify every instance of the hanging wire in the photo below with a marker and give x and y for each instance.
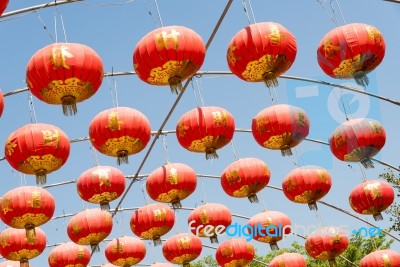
(363, 174)
(44, 25)
(251, 10)
(319, 218)
(194, 93)
(113, 90)
(245, 11)
(332, 16)
(22, 178)
(204, 191)
(55, 26)
(158, 12)
(151, 14)
(235, 150)
(94, 155)
(340, 11)
(276, 95)
(341, 101)
(263, 202)
(32, 109)
(63, 27)
(142, 186)
(165, 146)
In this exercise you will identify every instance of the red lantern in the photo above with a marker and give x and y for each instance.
(1, 102)
(182, 249)
(37, 149)
(208, 219)
(358, 140)
(371, 198)
(379, 258)
(152, 221)
(3, 6)
(69, 254)
(10, 264)
(205, 129)
(235, 252)
(326, 246)
(101, 185)
(125, 251)
(274, 226)
(307, 185)
(262, 52)
(288, 260)
(171, 183)
(120, 132)
(351, 51)
(27, 207)
(245, 178)
(280, 127)
(169, 55)
(90, 227)
(16, 247)
(64, 73)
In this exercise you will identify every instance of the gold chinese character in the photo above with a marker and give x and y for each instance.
(184, 243)
(4, 205)
(220, 118)
(204, 217)
(168, 40)
(36, 199)
(59, 57)
(275, 35)
(329, 48)
(113, 122)
(160, 214)
(173, 177)
(233, 176)
(51, 138)
(103, 175)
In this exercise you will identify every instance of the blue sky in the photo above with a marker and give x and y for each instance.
(113, 31)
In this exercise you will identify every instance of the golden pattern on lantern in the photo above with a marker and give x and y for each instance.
(275, 35)
(103, 175)
(373, 189)
(127, 143)
(220, 118)
(168, 40)
(5, 205)
(162, 75)
(242, 192)
(172, 195)
(173, 177)
(160, 214)
(105, 196)
(304, 197)
(329, 48)
(204, 217)
(130, 261)
(72, 86)
(114, 124)
(231, 55)
(182, 129)
(93, 237)
(349, 66)
(47, 162)
(23, 254)
(256, 69)
(184, 243)
(28, 218)
(227, 252)
(233, 176)
(10, 147)
(155, 231)
(51, 138)
(59, 57)
(275, 142)
(36, 196)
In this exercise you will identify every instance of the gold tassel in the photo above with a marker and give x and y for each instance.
(105, 205)
(95, 247)
(157, 241)
(313, 205)
(286, 151)
(122, 157)
(69, 105)
(270, 79)
(252, 198)
(41, 176)
(176, 204)
(175, 83)
(361, 78)
(274, 246)
(211, 153)
(24, 263)
(378, 216)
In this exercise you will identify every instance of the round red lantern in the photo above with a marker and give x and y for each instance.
(326, 246)
(10, 264)
(120, 132)
(288, 260)
(235, 252)
(270, 227)
(358, 140)
(152, 221)
(3, 6)
(90, 227)
(351, 51)
(245, 178)
(371, 198)
(125, 251)
(205, 129)
(307, 185)
(171, 183)
(69, 254)
(280, 127)
(262, 52)
(101, 185)
(37, 149)
(64, 73)
(209, 220)
(27, 207)
(16, 247)
(378, 258)
(169, 55)
(1, 102)
(182, 249)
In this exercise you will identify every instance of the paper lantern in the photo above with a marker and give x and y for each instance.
(182, 249)
(69, 254)
(235, 252)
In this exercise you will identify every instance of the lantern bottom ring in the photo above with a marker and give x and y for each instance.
(69, 105)
(361, 78)
(285, 150)
(41, 176)
(253, 198)
(122, 157)
(270, 79)
(175, 84)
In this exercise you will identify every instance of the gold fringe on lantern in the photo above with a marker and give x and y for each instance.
(270, 79)
(313, 205)
(176, 204)
(24, 263)
(41, 176)
(122, 157)
(105, 205)
(361, 78)
(378, 216)
(252, 198)
(175, 83)
(367, 163)
(157, 241)
(274, 246)
(30, 232)
(95, 247)
(211, 153)
(69, 107)
(286, 151)
(214, 239)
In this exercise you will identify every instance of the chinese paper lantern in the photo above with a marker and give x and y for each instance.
(307, 185)
(3, 6)
(125, 251)
(288, 260)
(152, 221)
(168, 55)
(171, 183)
(10, 264)
(351, 51)
(15, 246)
(326, 246)
(182, 249)
(101, 185)
(90, 227)
(1, 102)
(280, 127)
(64, 73)
(274, 226)
(207, 220)
(205, 129)
(69, 254)
(245, 178)
(37, 149)
(235, 252)
(120, 132)
(379, 258)
(261, 52)
(27, 207)
(358, 140)
(371, 198)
